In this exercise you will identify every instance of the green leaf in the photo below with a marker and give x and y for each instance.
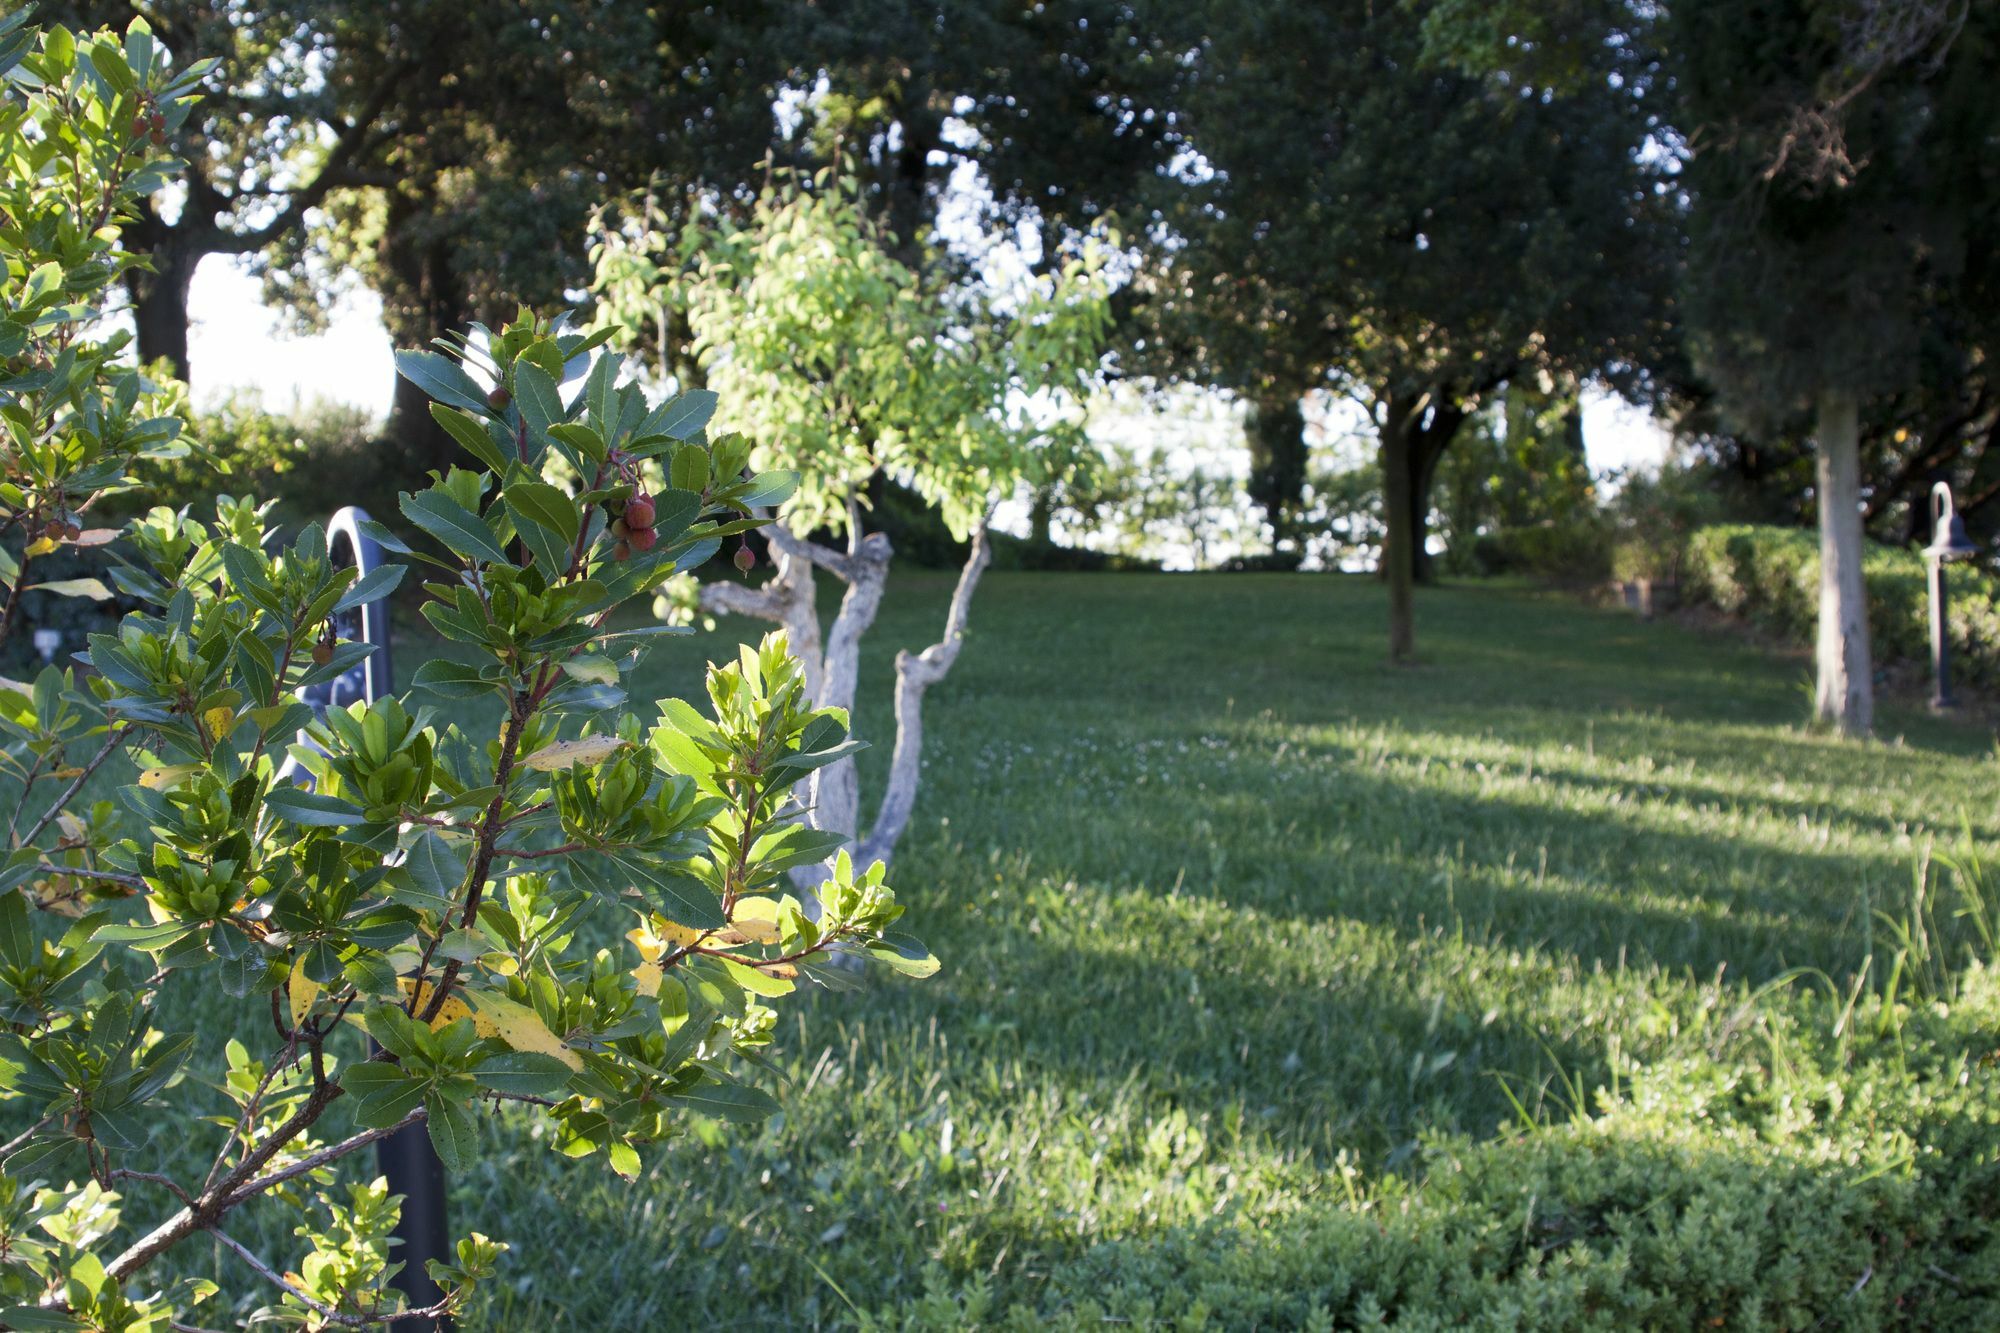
(372, 586)
(592, 667)
(690, 469)
(453, 680)
(537, 395)
(454, 1133)
(146, 938)
(471, 434)
(523, 1074)
(685, 900)
(383, 1094)
(441, 378)
(431, 874)
(684, 417)
(905, 955)
(544, 504)
(310, 808)
(461, 530)
(769, 489)
(731, 1101)
(91, 588)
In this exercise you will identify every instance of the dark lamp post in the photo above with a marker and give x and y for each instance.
(1948, 543)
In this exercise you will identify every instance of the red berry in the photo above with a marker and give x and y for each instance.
(620, 528)
(499, 398)
(158, 137)
(72, 529)
(644, 539)
(140, 125)
(322, 653)
(639, 511)
(746, 559)
(53, 529)
(622, 551)
(159, 120)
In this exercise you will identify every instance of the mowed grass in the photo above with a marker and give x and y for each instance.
(1232, 914)
(1239, 924)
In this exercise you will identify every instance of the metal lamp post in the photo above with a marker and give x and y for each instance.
(406, 1158)
(1948, 543)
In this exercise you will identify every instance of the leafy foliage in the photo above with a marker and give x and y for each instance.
(438, 890)
(840, 360)
(1771, 575)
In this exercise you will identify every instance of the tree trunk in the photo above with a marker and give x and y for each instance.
(160, 302)
(914, 675)
(422, 298)
(1846, 694)
(836, 789)
(1398, 568)
(1430, 433)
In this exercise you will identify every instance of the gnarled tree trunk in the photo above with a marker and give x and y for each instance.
(1845, 694)
(833, 668)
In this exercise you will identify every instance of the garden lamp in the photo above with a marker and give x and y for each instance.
(1948, 543)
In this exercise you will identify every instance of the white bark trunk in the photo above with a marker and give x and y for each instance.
(915, 675)
(836, 789)
(833, 672)
(1845, 694)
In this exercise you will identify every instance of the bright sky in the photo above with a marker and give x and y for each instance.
(236, 344)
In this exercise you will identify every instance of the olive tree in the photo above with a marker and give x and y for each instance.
(438, 889)
(837, 359)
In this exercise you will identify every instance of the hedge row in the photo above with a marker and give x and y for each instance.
(1771, 575)
(1790, 1180)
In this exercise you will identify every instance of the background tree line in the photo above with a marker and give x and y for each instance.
(1770, 220)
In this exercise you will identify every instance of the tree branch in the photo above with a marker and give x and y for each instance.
(348, 144)
(307, 1165)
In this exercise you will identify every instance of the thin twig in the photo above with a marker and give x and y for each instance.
(85, 872)
(26, 1134)
(111, 744)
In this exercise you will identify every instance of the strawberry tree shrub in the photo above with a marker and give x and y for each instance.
(438, 891)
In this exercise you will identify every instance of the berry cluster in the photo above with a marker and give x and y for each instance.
(632, 525)
(150, 125)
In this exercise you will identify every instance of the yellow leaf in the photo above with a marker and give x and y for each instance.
(453, 1009)
(663, 935)
(43, 545)
(167, 775)
(563, 754)
(302, 990)
(753, 919)
(648, 975)
(521, 1027)
(220, 721)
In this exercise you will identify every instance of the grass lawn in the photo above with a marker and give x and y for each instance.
(1263, 959)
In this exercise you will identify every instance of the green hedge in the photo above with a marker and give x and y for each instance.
(1574, 552)
(1776, 1176)
(1771, 575)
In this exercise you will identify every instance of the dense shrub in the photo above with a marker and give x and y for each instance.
(1577, 550)
(311, 461)
(1751, 1182)
(1771, 575)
